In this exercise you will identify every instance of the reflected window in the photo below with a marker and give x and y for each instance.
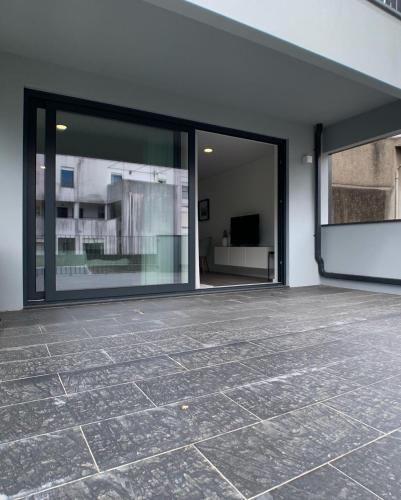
(67, 178)
(66, 245)
(62, 212)
(115, 178)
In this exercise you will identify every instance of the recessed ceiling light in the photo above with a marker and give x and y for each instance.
(208, 150)
(61, 127)
(42, 167)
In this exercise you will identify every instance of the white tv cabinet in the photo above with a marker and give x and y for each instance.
(252, 257)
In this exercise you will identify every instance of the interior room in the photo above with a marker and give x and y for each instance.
(237, 216)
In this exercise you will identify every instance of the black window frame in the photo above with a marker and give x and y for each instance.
(52, 103)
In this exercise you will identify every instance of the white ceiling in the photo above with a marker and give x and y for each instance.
(228, 153)
(139, 42)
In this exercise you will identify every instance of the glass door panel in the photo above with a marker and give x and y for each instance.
(40, 170)
(121, 204)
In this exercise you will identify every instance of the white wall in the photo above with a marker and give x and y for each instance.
(363, 249)
(351, 37)
(244, 190)
(17, 73)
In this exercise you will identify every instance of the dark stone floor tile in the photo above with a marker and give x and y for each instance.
(129, 371)
(376, 466)
(378, 405)
(63, 329)
(130, 353)
(277, 396)
(54, 364)
(322, 484)
(215, 355)
(49, 415)
(32, 464)
(19, 331)
(127, 439)
(30, 389)
(368, 368)
(133, 327)
(180, 344)
(258, 458)
(198, 382)
(71, 347)
(306, 359)
(181, 474)
(215, 339)
(20, 353)
(30, 340)
(295, 340)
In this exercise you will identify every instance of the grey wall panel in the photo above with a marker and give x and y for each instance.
(372, 250)
(377, 123)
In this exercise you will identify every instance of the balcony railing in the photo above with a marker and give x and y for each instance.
(391, 6)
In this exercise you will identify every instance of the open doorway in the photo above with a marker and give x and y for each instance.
(237, 211)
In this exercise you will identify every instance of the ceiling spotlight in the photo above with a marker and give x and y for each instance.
(61, 127)
(208, 150)
(42, 167)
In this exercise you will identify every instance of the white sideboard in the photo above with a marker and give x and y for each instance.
(252, 257)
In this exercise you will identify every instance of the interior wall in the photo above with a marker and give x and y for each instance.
(19, 73)
(244, 190)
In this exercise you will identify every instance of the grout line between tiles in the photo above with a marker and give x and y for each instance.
(177, 362)
(350, 417)
(355, 481)
(108, 355)
(61, 382)
(325, 463)
(240, 405)
(219, 472)
(146, 396)
(89, 448)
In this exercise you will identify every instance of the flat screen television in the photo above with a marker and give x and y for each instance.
(245, 231)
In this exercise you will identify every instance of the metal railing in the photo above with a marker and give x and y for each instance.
(391, 6)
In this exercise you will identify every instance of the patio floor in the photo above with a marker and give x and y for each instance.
(275, 394)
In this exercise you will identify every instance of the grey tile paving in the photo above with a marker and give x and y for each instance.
(196, 383)
(324, 344)
(215, 355)
(277, 396)
(181, 474)
(42, 338)
(126, 439)
(43, 461)
(180, 344)
(70, 347)
(22, 330)
(368, 369)
(49, 415)
(258, 458)
(29, 389)
(19, 353)
(296, 340)
(135, 326)
(135, 352)
(45, 366)
(308, 359)
(376, 466)
(378, 405)
(129, 371)
(325, 483)
(213, 339)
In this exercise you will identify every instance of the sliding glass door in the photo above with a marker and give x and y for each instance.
(112, 200)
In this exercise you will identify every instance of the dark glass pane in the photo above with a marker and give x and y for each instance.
(122, 197)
